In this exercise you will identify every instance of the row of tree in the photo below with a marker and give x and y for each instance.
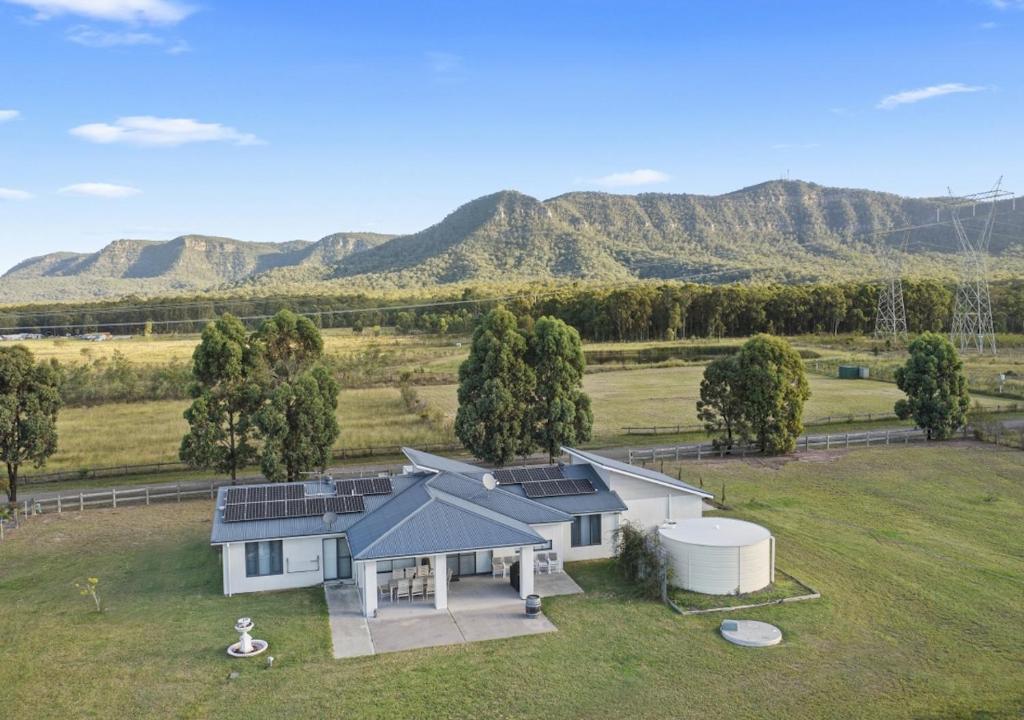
(641, 311)
(261, 397)
(757, 395)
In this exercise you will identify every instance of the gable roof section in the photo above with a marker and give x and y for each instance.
(446, 524)
(640, 473)
(438, 464)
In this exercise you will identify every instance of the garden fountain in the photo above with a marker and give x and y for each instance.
(246, 646)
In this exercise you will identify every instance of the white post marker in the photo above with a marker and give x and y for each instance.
(440, 563)
(369, 588)
(526, 571)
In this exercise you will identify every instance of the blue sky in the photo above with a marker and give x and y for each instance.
(275, 121)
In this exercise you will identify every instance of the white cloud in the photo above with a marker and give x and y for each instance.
(795, 146)
(159, 12)
(100, 190)
(988, 25)
(165, 132)
(12, 194)
(91, 37)
(6, 115)
(1007, 4)
(907, 97)
(632, 178)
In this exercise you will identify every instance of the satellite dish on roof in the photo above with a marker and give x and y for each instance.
(489, 482)
(330, 518)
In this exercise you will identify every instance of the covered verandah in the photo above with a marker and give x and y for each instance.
(428, 579)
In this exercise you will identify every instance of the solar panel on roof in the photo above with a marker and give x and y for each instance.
(263, 502)
(234, 513)
(235, 495)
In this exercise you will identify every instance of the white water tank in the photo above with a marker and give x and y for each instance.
(719, 556)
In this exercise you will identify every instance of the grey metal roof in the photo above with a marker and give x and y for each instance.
(440, 526)
(641, 472)
(426, 461)
(500, 500)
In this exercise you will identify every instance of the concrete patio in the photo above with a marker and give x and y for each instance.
(479, 608)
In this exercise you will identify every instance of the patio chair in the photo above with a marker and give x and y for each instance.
(422, 571)
(497, 567)
(402, 589)
(416, 587)
(384, 589)
(540, 563)
(554, 564)
(430, 586)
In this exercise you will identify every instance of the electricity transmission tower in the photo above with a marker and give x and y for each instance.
(891, 316)
(972, 328)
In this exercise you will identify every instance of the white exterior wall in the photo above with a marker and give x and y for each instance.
(609, 524)
(301, 560)
(650, 504)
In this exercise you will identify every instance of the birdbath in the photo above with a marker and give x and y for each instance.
(246, 646)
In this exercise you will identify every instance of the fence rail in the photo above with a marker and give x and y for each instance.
(804, 443)
(816, 422)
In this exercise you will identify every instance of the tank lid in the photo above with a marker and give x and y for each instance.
(717, 531)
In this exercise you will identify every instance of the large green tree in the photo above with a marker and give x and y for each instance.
(496, 386)
(936, 388)
(29, 402)
(772, 386)
(562, 414)
(299, 425)
(721, 407)
(297, 422)
(227, 393)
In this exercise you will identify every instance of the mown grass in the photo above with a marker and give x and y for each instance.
(917, 553)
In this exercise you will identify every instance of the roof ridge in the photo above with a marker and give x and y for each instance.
(523, 498)
(487, 513)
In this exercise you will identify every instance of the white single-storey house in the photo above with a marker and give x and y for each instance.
(442, 512)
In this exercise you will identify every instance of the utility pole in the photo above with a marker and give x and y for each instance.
(972, 328)
(891, 315)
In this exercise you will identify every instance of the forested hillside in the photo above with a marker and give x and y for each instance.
(780, 231)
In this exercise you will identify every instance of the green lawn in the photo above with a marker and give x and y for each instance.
(917, 552)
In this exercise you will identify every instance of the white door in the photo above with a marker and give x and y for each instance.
(331, 559)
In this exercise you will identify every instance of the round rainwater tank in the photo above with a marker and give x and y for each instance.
(719, 556)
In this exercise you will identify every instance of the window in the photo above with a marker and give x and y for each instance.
(386, 566)
(586, 530)
(263, 558)
(542, 547)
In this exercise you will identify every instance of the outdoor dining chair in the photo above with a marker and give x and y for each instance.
(497, 568)
(540, 563)
(430, 586)
(402, 589)
(416, 588)
(554, 564)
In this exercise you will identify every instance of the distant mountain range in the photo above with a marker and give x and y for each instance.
(790, 231)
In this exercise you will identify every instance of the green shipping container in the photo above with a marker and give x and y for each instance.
(849, 372)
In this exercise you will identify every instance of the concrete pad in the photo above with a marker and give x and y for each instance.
(350, 634)
(500, 621)
(419, 626)
(556, 584)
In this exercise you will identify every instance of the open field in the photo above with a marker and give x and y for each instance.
(668, 396)
(150, 432)
(917, 554)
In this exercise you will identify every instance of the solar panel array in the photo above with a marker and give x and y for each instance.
(520, 475)
(556, 488)
(267, 502)
(542, 482)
